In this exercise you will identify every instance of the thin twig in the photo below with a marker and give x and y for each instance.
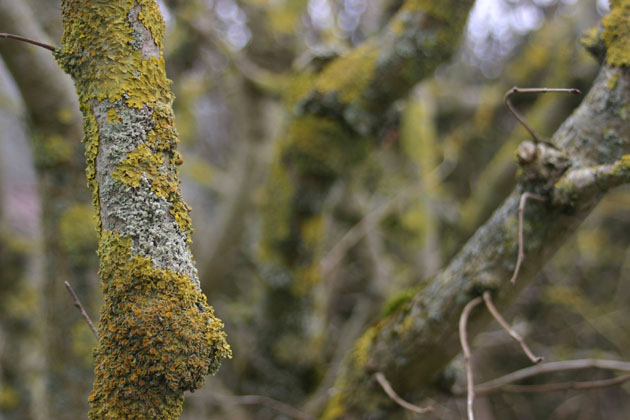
(80, 307)
(495, 313)
(387, 387)
(463, 337)
(521, 215)
(279, 406)
(518, 116)
(30, 41)
(564, 386)
(499, 384)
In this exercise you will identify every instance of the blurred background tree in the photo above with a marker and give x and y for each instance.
(315, 213)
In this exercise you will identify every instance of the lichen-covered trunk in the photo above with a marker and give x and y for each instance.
(158, 336)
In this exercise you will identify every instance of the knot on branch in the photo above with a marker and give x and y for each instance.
(541, 165)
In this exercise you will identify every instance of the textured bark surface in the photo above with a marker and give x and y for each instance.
(413, 345)
(158, 336)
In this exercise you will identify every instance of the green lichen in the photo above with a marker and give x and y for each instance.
(612, 81)
(154, 341)
(616, 33)
(621, 168)
(566, 193)
(348, 76)
(397, 301)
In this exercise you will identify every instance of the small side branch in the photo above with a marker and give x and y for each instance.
(30, 41)
(521, 216)
(516, 336)
(518, 116)
(387, 387)
(463, 337)
(77, 303)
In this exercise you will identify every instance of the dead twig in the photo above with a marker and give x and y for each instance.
(521, 216)
(564, 386)
(497, 316)
(279, 406)
(80, 308)
(504, 383)
(463, 337)
(519, 117)
(387, 387)
(30, 41)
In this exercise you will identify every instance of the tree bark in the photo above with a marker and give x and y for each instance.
(157, 335)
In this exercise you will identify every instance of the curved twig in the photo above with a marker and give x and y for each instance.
(516, 336)
(387, 387)
(521, 215)
(463, 337)
(518, 116)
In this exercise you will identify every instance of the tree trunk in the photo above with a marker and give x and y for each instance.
(158, 336)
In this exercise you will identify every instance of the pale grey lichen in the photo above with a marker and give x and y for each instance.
(136, 212)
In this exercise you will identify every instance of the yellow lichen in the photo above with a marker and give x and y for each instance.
(360, 353)
(151, 17)
(348, 76)
(616, 33)
(138, 163)
(112, 116)
(154, 342)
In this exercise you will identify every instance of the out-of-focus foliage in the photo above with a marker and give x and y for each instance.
(435, 167)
